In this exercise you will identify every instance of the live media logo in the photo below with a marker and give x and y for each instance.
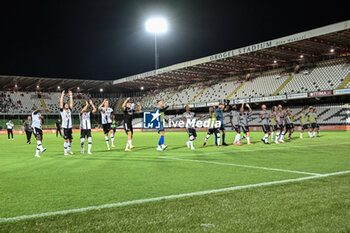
(151, 120)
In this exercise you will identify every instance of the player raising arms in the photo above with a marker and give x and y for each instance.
(37, 129)
(234, 120)
(129, 109)
(85, 125)
(66, 115)
(265, 120)
(212, 129)
(244, 122)
(106, 117)
(160, 110)
(220, 117)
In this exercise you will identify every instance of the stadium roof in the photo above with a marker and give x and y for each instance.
(312, 44)
(51, 84)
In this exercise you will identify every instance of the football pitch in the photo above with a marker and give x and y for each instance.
(300, 186)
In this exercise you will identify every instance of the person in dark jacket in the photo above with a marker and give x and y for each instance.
(58, 127)
(27, 128)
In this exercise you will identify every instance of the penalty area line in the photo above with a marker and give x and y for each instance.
(176, 196)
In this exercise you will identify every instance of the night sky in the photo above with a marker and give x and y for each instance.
(104, 39)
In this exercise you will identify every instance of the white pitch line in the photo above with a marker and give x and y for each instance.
(260, 149)
(241, 165)
(176, 196)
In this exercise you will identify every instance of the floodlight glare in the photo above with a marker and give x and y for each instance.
(156, 25)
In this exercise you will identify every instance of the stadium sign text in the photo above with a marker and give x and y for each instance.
(320, 93)
(341, 92)
(297, 96)
(242, 101)
(276, 97)
(243, 50)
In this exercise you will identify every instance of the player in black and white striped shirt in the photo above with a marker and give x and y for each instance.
(85, 125)
(188, 117)
(106, 117)
(265, 120)
(235, 123)
(37, 129)
(66, 116)
(282, 118)
(244, 123)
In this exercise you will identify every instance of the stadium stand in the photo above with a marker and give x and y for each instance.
(10, 101)
(218, 91)
(151, 100)
(260, 86)
(326, 75)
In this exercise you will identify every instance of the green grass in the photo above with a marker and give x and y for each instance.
(55, 182)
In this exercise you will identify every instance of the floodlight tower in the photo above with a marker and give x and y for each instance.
(156, 26)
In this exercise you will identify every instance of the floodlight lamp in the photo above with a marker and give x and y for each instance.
(156, 25)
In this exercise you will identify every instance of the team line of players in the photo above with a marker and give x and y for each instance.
(85, 124)
(279, 121)
(275, 124)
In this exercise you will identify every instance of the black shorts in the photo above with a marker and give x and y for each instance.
(85, 133)
(213, 131)
(67, 134)
(272, 128)
(276, 127)
(305, 126)
(313, 125)
(192, 132)
(289, 126)
(245, 128)
(37, 132)
(266, 128)
(237, 128)
(106, 128)
(281, 126)
(128, 127)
